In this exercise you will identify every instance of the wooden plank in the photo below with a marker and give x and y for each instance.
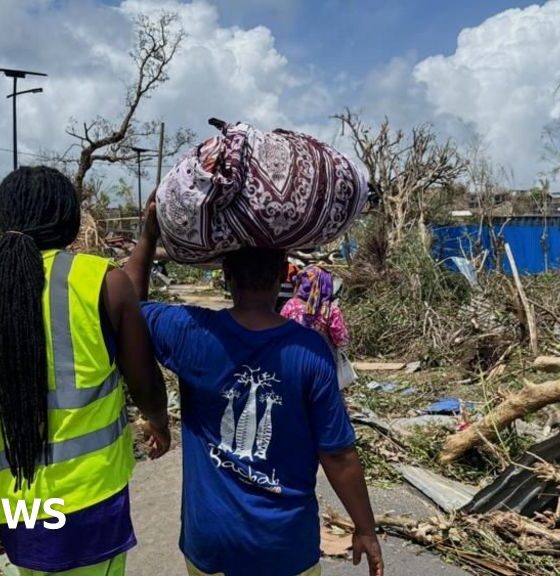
(527, 306)
(378, 366)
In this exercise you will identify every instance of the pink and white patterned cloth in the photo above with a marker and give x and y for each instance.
(331, 327)
(277, 189)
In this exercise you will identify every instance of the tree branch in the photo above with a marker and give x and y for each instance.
(157, 43)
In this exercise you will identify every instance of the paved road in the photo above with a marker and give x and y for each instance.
(156, 509)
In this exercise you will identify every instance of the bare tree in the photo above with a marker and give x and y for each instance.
(551, 147)
(403, 172)
(485, 183)
(102, 140)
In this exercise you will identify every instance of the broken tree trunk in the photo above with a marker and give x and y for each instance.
(547, 363)
(531, 398)
(528, 309)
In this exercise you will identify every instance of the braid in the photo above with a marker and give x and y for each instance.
(42, 205)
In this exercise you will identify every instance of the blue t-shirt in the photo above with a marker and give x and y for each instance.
(257, 408)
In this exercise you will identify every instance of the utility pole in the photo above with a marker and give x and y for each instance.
(139, 151)
(160, 152)
(15, 74)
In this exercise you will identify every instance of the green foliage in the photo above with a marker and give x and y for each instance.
(391, 310)
(124, 193)
(377, 468)
(424, 446)
(185, 274)
(96, 198)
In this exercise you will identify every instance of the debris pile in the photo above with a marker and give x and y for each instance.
(498, 495)
(413, 307)
(88, 239)
(501, 543)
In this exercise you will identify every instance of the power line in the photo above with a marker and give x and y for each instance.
(46, 157)
(23, 153)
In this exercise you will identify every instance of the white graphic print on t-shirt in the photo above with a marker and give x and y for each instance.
(249, 438)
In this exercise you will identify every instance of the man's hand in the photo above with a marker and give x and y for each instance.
(151, 227)
(139, 264)
(158, 439)
(345, 474)
(368, 545)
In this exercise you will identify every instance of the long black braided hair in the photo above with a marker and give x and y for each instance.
(39, 210)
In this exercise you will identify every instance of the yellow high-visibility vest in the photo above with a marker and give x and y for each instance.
(90, 451)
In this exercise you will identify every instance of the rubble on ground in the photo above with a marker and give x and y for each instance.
(452, 398)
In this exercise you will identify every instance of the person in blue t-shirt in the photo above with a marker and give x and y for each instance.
(261, 409)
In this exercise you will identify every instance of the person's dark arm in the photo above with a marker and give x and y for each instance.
(344, 472)
(140, 262)
(335, 439)
(135, 357)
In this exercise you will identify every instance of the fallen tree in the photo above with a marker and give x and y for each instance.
(530, 399)
(501, 543)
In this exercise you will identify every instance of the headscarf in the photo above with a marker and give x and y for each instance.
(314, 285)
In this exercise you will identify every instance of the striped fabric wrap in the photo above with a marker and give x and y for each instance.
(278, 189)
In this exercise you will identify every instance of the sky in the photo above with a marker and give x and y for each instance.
(488, 68)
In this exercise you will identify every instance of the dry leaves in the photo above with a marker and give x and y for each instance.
(335, 543)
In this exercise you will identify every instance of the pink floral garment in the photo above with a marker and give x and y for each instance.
(332, 328)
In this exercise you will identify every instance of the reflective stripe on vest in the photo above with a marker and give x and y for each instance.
(67, 395)
(67, 449)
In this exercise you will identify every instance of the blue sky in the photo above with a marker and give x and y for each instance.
(353, 36)
(477, 67)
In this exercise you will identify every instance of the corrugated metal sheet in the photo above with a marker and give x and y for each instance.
(448, 494)
(536, 248)
(518, 489)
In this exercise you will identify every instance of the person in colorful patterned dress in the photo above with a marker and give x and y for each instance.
(313, 306)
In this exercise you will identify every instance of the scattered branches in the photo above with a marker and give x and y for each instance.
(501, 543)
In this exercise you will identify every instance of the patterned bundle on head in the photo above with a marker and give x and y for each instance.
(39, 210)
(315, 287)
(279, 190)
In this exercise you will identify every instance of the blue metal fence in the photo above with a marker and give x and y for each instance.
(535, 247)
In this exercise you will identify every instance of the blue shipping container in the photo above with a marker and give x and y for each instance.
(536, 248)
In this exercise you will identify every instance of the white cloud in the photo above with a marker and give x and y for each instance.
(226, 72)
(502, 80)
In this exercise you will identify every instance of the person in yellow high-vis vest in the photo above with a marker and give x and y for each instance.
(70, 330)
